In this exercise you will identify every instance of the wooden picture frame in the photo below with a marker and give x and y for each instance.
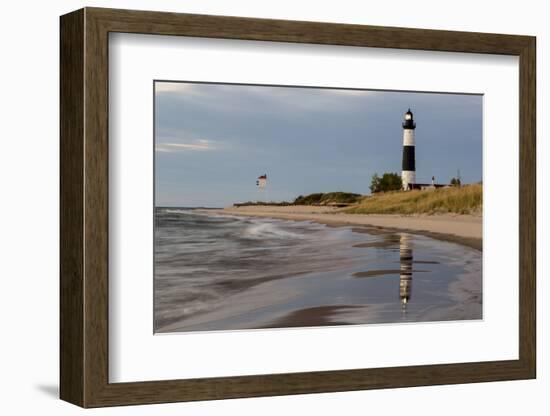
(84, 207)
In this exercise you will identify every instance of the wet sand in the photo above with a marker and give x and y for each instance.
(461, 229)
(296, 299)
(382, 272)
(308, 317)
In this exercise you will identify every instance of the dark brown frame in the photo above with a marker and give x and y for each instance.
(84, 209)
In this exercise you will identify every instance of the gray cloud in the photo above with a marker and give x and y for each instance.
(197, 145)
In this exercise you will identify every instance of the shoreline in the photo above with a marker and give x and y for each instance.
(466, 230)
(303, 287)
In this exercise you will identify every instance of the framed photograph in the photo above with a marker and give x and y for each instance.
(254, 207)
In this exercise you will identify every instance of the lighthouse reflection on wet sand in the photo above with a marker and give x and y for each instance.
(406, 265)
(408, 174)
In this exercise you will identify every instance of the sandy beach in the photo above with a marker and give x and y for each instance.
(462, 229)
(303, 266)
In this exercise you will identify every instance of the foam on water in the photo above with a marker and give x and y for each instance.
(262, 230)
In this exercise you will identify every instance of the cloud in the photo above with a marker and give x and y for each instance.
(257, 98)
(349, 92)
(311, 100)
(196, 145)
(173, 87)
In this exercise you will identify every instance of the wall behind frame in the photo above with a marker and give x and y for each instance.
(29, 168)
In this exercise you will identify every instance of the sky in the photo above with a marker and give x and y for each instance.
(212, 141)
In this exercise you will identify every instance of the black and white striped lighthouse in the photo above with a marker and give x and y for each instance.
(408, 174)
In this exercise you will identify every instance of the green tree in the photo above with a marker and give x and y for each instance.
(375, 183)
(388, 182)
(455, 182)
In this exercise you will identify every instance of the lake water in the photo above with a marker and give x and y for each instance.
(223, 272)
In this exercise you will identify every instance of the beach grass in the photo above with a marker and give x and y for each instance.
(457, 200)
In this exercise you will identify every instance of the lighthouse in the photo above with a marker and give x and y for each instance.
(408, 174)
